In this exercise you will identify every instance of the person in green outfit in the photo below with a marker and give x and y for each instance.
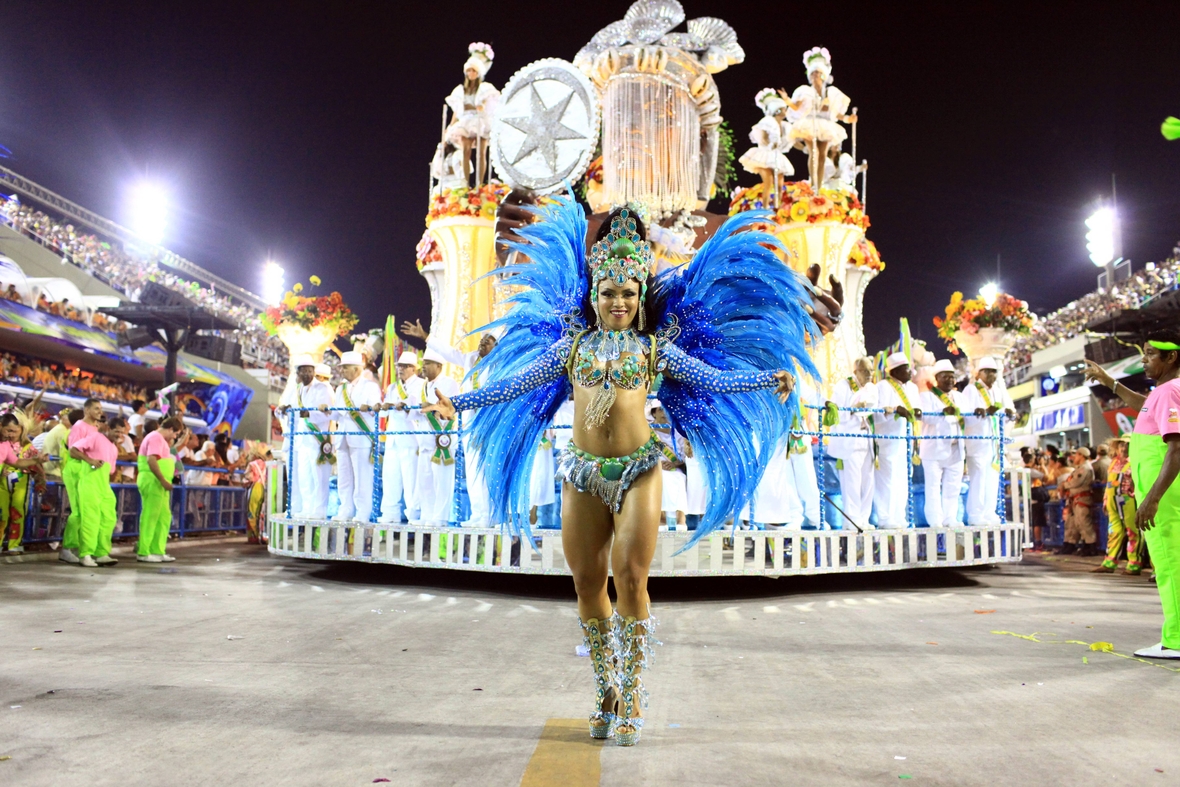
(1155, 465)
(69, 480)
(95, 457)
(157, 468)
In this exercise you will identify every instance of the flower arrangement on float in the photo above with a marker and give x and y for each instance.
(427, 251)
(982, 329)
(865, 255)
(799, 203)
(478, 202)
(309, 323)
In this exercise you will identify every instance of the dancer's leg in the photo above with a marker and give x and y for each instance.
(586, 529)
(637, 527)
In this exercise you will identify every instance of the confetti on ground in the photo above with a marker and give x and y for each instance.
(931, 643)
(674, 726)
(898, 758)
(9, 757)
(477, 689)
(57, 631)
(382, 779)
(1085, 659)
(984, 611)
(581, 651)
(1045, 638)
(234, 636)
(905, 776)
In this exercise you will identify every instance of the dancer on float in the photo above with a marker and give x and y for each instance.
(728, 332)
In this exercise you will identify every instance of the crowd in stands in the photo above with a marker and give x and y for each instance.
(1071, 320)
(127, 275)
(44, 375)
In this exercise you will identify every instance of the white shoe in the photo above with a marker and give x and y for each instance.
(87, 562)
(105, 560)
(166, 559)
(149, 558)
(15, 550)
(1158, 651)
(67, 555)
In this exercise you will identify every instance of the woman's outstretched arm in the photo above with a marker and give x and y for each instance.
(549, 367)
(678, 365)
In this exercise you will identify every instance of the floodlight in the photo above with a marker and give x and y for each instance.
(148, 208)
(989, 292)
(1100, 238)
(272, 282)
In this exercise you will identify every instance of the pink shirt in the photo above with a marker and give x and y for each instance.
(78, 431)
(155, 445)
(8, 454)
(96, 446)
(1161, 412)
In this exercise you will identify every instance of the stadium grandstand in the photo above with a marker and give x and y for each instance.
(60, 264)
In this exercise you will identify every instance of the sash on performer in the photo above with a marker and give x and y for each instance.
(327, 452)
(987, 400)
(359, 420)
(442, 440)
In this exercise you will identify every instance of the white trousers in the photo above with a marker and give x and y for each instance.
(477, 488)
(983, 491)
(354, 483)
(311, 479)
(891, 489)
(399, 483)
(436, 489)
(674, 496)
(856, 488)
(694, 487)
(801, 469)
(943, 482)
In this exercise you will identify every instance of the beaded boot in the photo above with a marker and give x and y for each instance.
(599, 638)
(636, 640)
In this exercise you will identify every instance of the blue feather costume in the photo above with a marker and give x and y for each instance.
(725, 319)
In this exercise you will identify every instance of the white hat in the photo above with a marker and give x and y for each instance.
(351, 358)
(895, 360)
(323, 370)
(408, 358)
(431, 355)
(987, 362)
(944, 366)
(818, 58)
(481, 58)
(769, 101)
(302, 360)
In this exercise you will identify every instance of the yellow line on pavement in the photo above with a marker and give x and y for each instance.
(566, 755)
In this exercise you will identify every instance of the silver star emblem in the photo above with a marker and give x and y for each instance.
(543, 129)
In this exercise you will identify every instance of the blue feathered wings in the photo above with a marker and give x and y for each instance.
(735, 307)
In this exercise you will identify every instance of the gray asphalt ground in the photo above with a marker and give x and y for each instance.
(230, 667)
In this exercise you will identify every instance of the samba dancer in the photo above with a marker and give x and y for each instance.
(608, 332)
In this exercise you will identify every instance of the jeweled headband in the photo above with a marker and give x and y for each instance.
(620, 256)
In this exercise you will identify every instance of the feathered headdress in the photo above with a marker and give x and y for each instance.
(769, 101)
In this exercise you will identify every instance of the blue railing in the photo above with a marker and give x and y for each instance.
(459, 504)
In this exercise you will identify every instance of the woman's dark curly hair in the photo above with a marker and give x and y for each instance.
(652, 304)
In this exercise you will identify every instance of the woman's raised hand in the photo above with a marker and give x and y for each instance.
(443, 408)
(786, 384)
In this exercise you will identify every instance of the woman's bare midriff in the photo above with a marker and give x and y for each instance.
(626, 427)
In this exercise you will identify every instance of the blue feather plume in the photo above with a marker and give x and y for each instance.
(547, 309)
(734, 306)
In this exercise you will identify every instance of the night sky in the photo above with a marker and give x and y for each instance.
(304, 131)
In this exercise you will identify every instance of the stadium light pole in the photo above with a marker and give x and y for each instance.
(272, 282)
(1100, 240)
(148, 207)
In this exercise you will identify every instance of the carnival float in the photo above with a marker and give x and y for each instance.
(635, 118)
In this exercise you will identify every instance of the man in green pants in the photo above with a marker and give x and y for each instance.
(95, 457)
(1155, 465)
(69, 479)
(156, 470)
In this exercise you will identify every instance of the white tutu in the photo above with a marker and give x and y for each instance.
(675, 497)
(543, 480)
(821, 130)
(469, 124)
(759, 157)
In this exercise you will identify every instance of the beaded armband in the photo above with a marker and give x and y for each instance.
(678, 365)
(545, 369)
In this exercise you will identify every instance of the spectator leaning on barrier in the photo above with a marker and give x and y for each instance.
(137, 418)
(21, 463)
(126, 448)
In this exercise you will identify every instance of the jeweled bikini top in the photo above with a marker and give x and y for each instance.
(612, 358)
